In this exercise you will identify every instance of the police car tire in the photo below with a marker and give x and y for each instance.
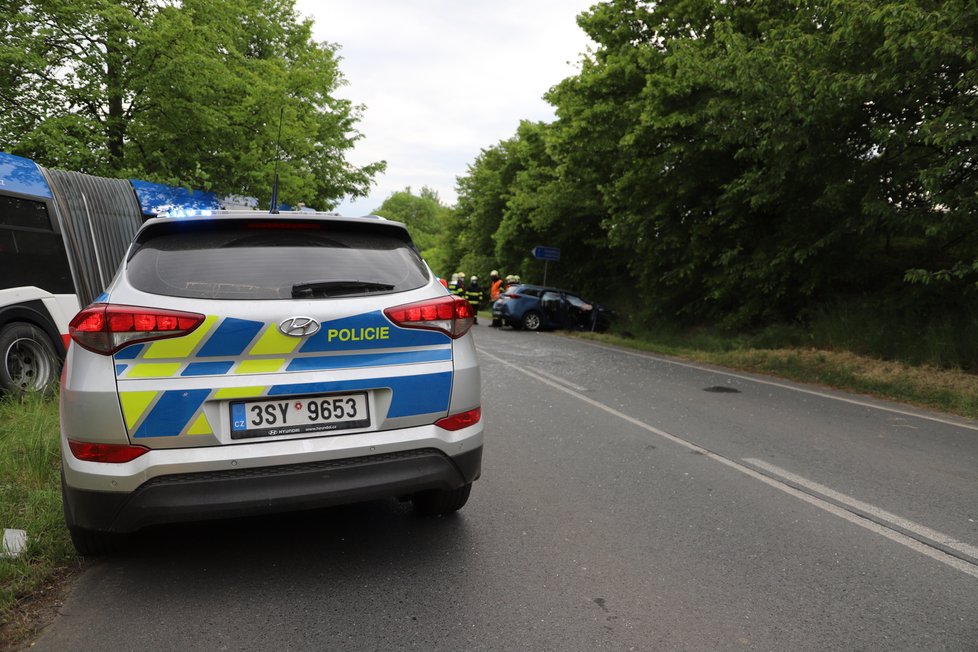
(93, 543)
(438, 502)
(46, 364)
(532, 320)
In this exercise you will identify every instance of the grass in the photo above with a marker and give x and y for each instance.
(30, 500)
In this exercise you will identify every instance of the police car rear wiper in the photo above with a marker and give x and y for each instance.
(336, 288)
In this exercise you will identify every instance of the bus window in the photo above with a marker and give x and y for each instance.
(31, 252)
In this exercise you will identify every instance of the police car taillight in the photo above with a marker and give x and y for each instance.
(453, 316)
(460, 420)
(105, 328)
(109, 453)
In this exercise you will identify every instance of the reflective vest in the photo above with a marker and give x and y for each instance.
(496, 289)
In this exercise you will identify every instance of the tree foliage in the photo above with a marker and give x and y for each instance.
(753, 162)
(516, 197)
(427, 219)
(190, 92)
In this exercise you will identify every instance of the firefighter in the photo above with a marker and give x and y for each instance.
(460, 285)
(453, 284)
(473, 293)
(495, 286)
(495, 291)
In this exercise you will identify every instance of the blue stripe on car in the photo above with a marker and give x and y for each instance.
(411, 395)
(172, 412)
(352, 333)
(231, 338)
(130, 352)
(369, 360)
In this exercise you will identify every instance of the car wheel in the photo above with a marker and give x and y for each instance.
(438, 502)
(27, 359)
(532, 321)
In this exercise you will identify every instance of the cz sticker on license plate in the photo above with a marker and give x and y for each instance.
(297, 415)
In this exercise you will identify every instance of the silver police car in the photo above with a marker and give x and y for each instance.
(243, 362)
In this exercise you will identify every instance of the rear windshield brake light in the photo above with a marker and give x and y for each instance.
(105, 328)
(307, 226)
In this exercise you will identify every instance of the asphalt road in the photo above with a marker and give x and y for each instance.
(622, 506)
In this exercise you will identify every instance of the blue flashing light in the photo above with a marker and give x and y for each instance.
(186, 212)
(157, 199)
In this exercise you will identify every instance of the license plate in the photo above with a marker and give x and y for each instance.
(297, 415)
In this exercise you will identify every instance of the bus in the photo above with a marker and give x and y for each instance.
(62, 238)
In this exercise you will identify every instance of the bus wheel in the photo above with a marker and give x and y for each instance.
(27, 360)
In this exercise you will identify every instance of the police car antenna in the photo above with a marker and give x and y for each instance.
(278, 148)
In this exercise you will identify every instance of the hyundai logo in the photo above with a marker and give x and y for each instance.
(299, 326)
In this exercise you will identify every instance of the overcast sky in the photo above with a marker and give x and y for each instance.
(443, 79)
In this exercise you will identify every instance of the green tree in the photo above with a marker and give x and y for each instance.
(427, 218)
(482, 197)
(761, 159)
(548, 205)
(186, 93)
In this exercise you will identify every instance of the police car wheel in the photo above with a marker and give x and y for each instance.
(27, 360)
(438, 502)
(532, 321)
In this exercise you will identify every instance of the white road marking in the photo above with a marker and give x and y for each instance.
(556, 379)
(872, 510)
(898, 537)
(651, 356)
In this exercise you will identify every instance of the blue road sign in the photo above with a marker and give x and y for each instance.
(546, 253)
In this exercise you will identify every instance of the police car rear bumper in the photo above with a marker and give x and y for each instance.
(245, 492)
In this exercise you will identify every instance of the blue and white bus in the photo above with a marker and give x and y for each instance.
(62, 237)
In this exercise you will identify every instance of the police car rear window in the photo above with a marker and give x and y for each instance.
(248, 260)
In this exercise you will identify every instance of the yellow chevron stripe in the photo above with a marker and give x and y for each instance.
(180, 347)
(259, 366)
(154, 370)
(200, 426)
(274, 342)
(135, 404)
(239, 392)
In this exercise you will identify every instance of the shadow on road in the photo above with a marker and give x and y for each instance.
(279, 582)
(351, 533)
